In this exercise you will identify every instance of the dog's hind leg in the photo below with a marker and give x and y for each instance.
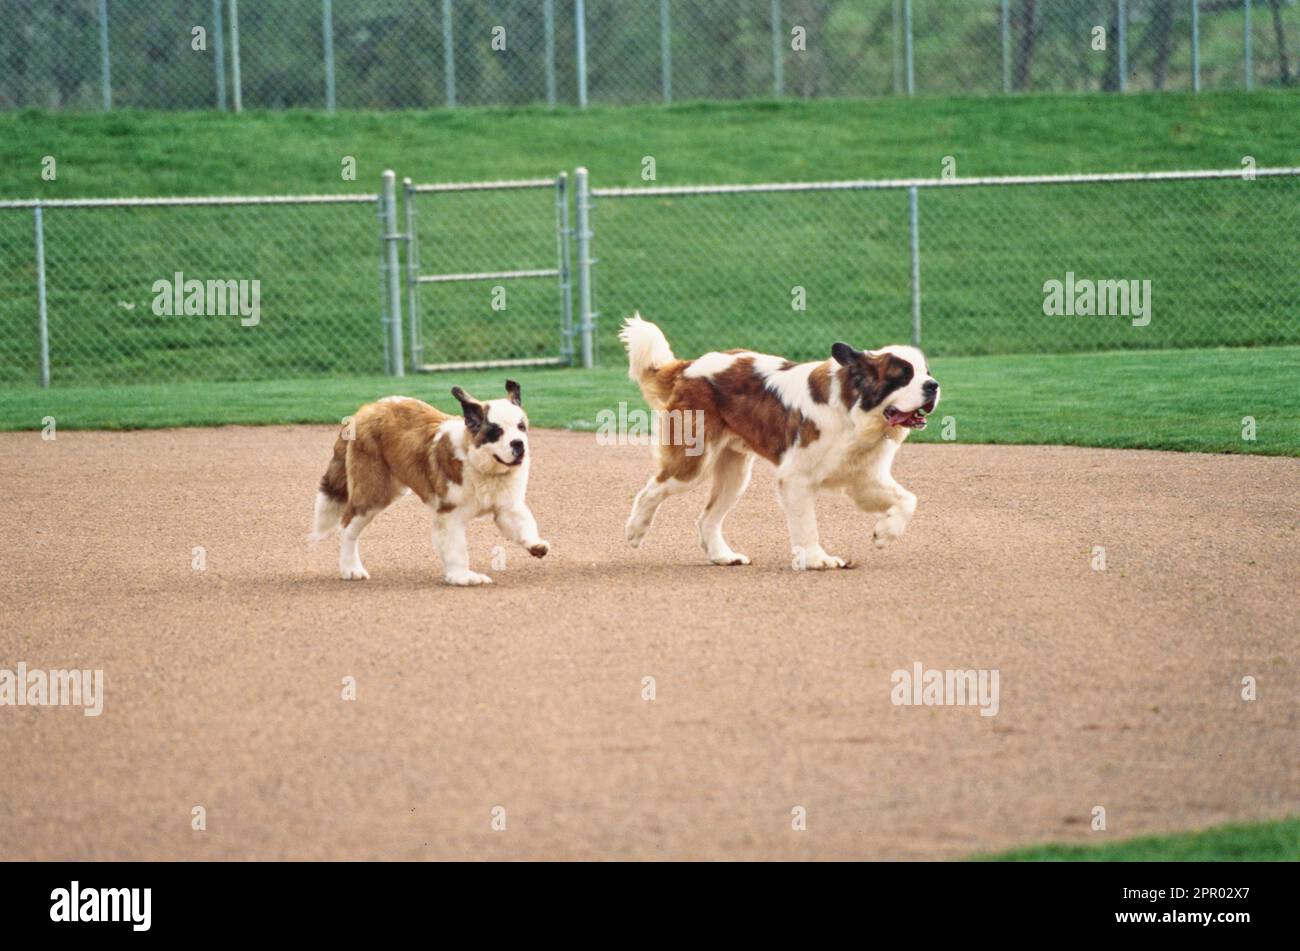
(730, 479)
(326, 516)
(354, 523)
(371, 489)
(332, 496)
(677, 473)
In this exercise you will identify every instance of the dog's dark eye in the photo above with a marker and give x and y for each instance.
(492, 434)
(523, 427)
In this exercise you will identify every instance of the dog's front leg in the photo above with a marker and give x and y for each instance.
(517, 524)
(798, 498)
(449, 539)
(893, 505)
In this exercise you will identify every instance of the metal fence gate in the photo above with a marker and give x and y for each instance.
(475, 231)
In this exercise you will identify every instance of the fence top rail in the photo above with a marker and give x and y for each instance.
(486, 186)
(180, 201)
(896, 183)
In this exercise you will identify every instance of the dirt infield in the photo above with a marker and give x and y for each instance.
(1118, 688)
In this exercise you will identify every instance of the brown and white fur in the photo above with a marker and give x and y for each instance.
(460, 467)
(829, 425)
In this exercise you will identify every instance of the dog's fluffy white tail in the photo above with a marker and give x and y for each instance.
(647, 347)
(328, 513)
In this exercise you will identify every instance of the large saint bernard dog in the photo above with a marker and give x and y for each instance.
(835, 424)
(461, 467)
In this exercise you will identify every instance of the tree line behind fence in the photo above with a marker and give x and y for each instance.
(387, 54)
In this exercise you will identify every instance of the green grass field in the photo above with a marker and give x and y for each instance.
(1254, 842)
(206, 153)
(714, 271)
(1174, 399)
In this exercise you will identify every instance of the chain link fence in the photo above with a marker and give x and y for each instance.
(962, 266)
(153, 290)
(398, 54)
(110, 291)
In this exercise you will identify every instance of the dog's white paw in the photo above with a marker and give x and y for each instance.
(539, 548)
(815, 559)
(354, 573)
(468, 578)
(635, 533)
(888, 528)
(729, 558)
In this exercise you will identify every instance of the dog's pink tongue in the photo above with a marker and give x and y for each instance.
(913, 420)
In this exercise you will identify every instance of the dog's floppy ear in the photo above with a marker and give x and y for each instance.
(471, 407)
(845, 355)
(512, 388)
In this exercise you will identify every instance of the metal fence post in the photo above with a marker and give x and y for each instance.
(580, 29)
(235, 80)
(897, 23)
(219, 53)
(914, 232)
(665, 51)
(1006, 46)
(1246, 44)
(1121, 17)
(907, 45)
(384, 320)
(586, 317)
(394, 275)
(412, 275)
(778, 61)
(448, 54)
(105, 75)
(1196, 45)
(327, 34)
(42, 315)
(562, 240)
(548, 14)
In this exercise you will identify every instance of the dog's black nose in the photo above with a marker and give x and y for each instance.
(517, 447)
(929, 387)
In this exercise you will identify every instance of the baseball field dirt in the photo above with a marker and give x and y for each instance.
(524, 703)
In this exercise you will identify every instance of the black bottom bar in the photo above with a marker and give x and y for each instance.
(1224, 903)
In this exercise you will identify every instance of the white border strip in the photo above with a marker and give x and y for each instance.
(202, 201)
(486, 186)
(490, 364)
(486, 276)
(896, 183)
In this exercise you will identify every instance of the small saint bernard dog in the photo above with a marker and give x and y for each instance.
(834, 424)
(460, 466)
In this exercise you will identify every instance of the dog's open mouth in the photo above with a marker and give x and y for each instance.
(913, 420)
(504, 463)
